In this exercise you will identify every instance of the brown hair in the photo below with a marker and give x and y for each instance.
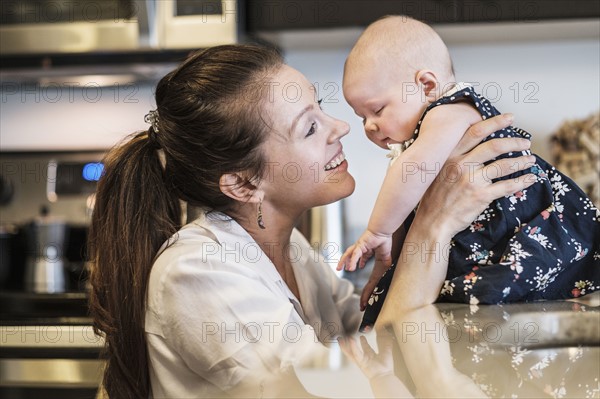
(208, 123)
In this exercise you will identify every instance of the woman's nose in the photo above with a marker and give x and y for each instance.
(340, 129)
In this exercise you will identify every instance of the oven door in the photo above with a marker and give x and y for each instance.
(49, 348)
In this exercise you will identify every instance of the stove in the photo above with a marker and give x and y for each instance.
(49, 349)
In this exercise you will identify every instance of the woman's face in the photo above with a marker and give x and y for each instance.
(306, 166)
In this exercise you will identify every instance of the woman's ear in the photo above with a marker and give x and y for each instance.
(238, 187)
(429, 82)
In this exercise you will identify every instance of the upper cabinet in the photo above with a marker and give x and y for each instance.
(270, 15)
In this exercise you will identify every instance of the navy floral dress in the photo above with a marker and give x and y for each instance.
(539, 243)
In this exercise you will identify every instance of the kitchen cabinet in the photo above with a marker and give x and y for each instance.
(270, 15)
(521, 11)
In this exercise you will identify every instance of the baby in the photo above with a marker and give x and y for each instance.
(539, 243)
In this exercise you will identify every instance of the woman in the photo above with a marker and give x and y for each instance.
(227, 304)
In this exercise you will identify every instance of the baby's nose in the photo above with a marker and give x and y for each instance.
(370, 127)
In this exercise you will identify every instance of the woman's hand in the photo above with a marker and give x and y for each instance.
(464, 187)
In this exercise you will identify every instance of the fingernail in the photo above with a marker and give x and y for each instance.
(510, 117)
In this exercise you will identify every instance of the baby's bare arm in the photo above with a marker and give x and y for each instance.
(413, 172)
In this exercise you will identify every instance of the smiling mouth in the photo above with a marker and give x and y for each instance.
(335, 162)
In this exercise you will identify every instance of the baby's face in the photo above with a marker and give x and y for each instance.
(389, 106)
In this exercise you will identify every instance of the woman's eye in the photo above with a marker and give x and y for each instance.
(379, 111)
(319, 102)
(312, 130)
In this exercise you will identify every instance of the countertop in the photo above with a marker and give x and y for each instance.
(532, 350)
(526, 350)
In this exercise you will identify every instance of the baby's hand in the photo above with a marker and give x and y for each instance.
(368, 244)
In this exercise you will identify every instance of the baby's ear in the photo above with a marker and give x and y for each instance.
(430, 84)
(238, 187)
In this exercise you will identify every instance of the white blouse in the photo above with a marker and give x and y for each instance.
(220, 319)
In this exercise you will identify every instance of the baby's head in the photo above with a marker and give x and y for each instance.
(396, 68)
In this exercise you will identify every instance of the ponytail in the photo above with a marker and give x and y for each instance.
(134, 214)
(205, 126)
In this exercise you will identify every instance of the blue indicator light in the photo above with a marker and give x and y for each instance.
(92, 171)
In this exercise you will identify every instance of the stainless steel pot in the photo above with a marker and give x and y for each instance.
(44, 268)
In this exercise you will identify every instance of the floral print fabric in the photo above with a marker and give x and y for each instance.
(540, 243)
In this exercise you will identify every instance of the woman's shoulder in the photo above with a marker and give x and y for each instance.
(198, 266)
(200, 248)
(189, 242)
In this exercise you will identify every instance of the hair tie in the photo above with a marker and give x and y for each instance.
(152, 118)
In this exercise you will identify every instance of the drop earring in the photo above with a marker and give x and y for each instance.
(259, 216)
